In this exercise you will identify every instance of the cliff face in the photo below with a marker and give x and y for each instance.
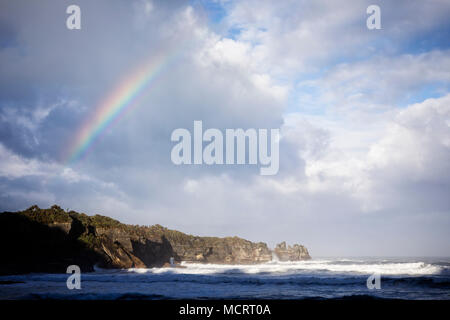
(48, 240)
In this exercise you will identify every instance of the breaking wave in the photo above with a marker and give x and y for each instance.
(313, 279)
(314, 266)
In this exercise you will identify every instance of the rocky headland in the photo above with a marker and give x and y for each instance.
(48, 240)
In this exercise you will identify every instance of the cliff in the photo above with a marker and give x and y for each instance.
(48, 240)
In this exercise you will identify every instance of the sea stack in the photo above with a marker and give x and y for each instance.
(295, 252)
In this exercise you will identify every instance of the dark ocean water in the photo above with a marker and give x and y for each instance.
(400, 278)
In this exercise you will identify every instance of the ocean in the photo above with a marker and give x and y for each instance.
(324, 278)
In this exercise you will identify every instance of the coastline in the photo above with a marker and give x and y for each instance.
(49, 240)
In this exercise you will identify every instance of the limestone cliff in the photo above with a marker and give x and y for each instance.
(48, 240)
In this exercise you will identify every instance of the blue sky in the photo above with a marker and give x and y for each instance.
(363, 114)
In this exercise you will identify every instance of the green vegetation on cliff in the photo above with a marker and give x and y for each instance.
(43, 240)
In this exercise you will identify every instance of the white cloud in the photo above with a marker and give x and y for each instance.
(381, 82)
(412, 148)
(13, 166)
(299, 36)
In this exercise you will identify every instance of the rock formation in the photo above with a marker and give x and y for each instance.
(291, 253)
(48, 240)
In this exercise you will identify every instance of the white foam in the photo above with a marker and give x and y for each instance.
(310, 266)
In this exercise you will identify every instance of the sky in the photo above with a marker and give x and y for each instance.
(363, 114)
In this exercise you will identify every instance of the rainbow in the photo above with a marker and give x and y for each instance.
(115, 104)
